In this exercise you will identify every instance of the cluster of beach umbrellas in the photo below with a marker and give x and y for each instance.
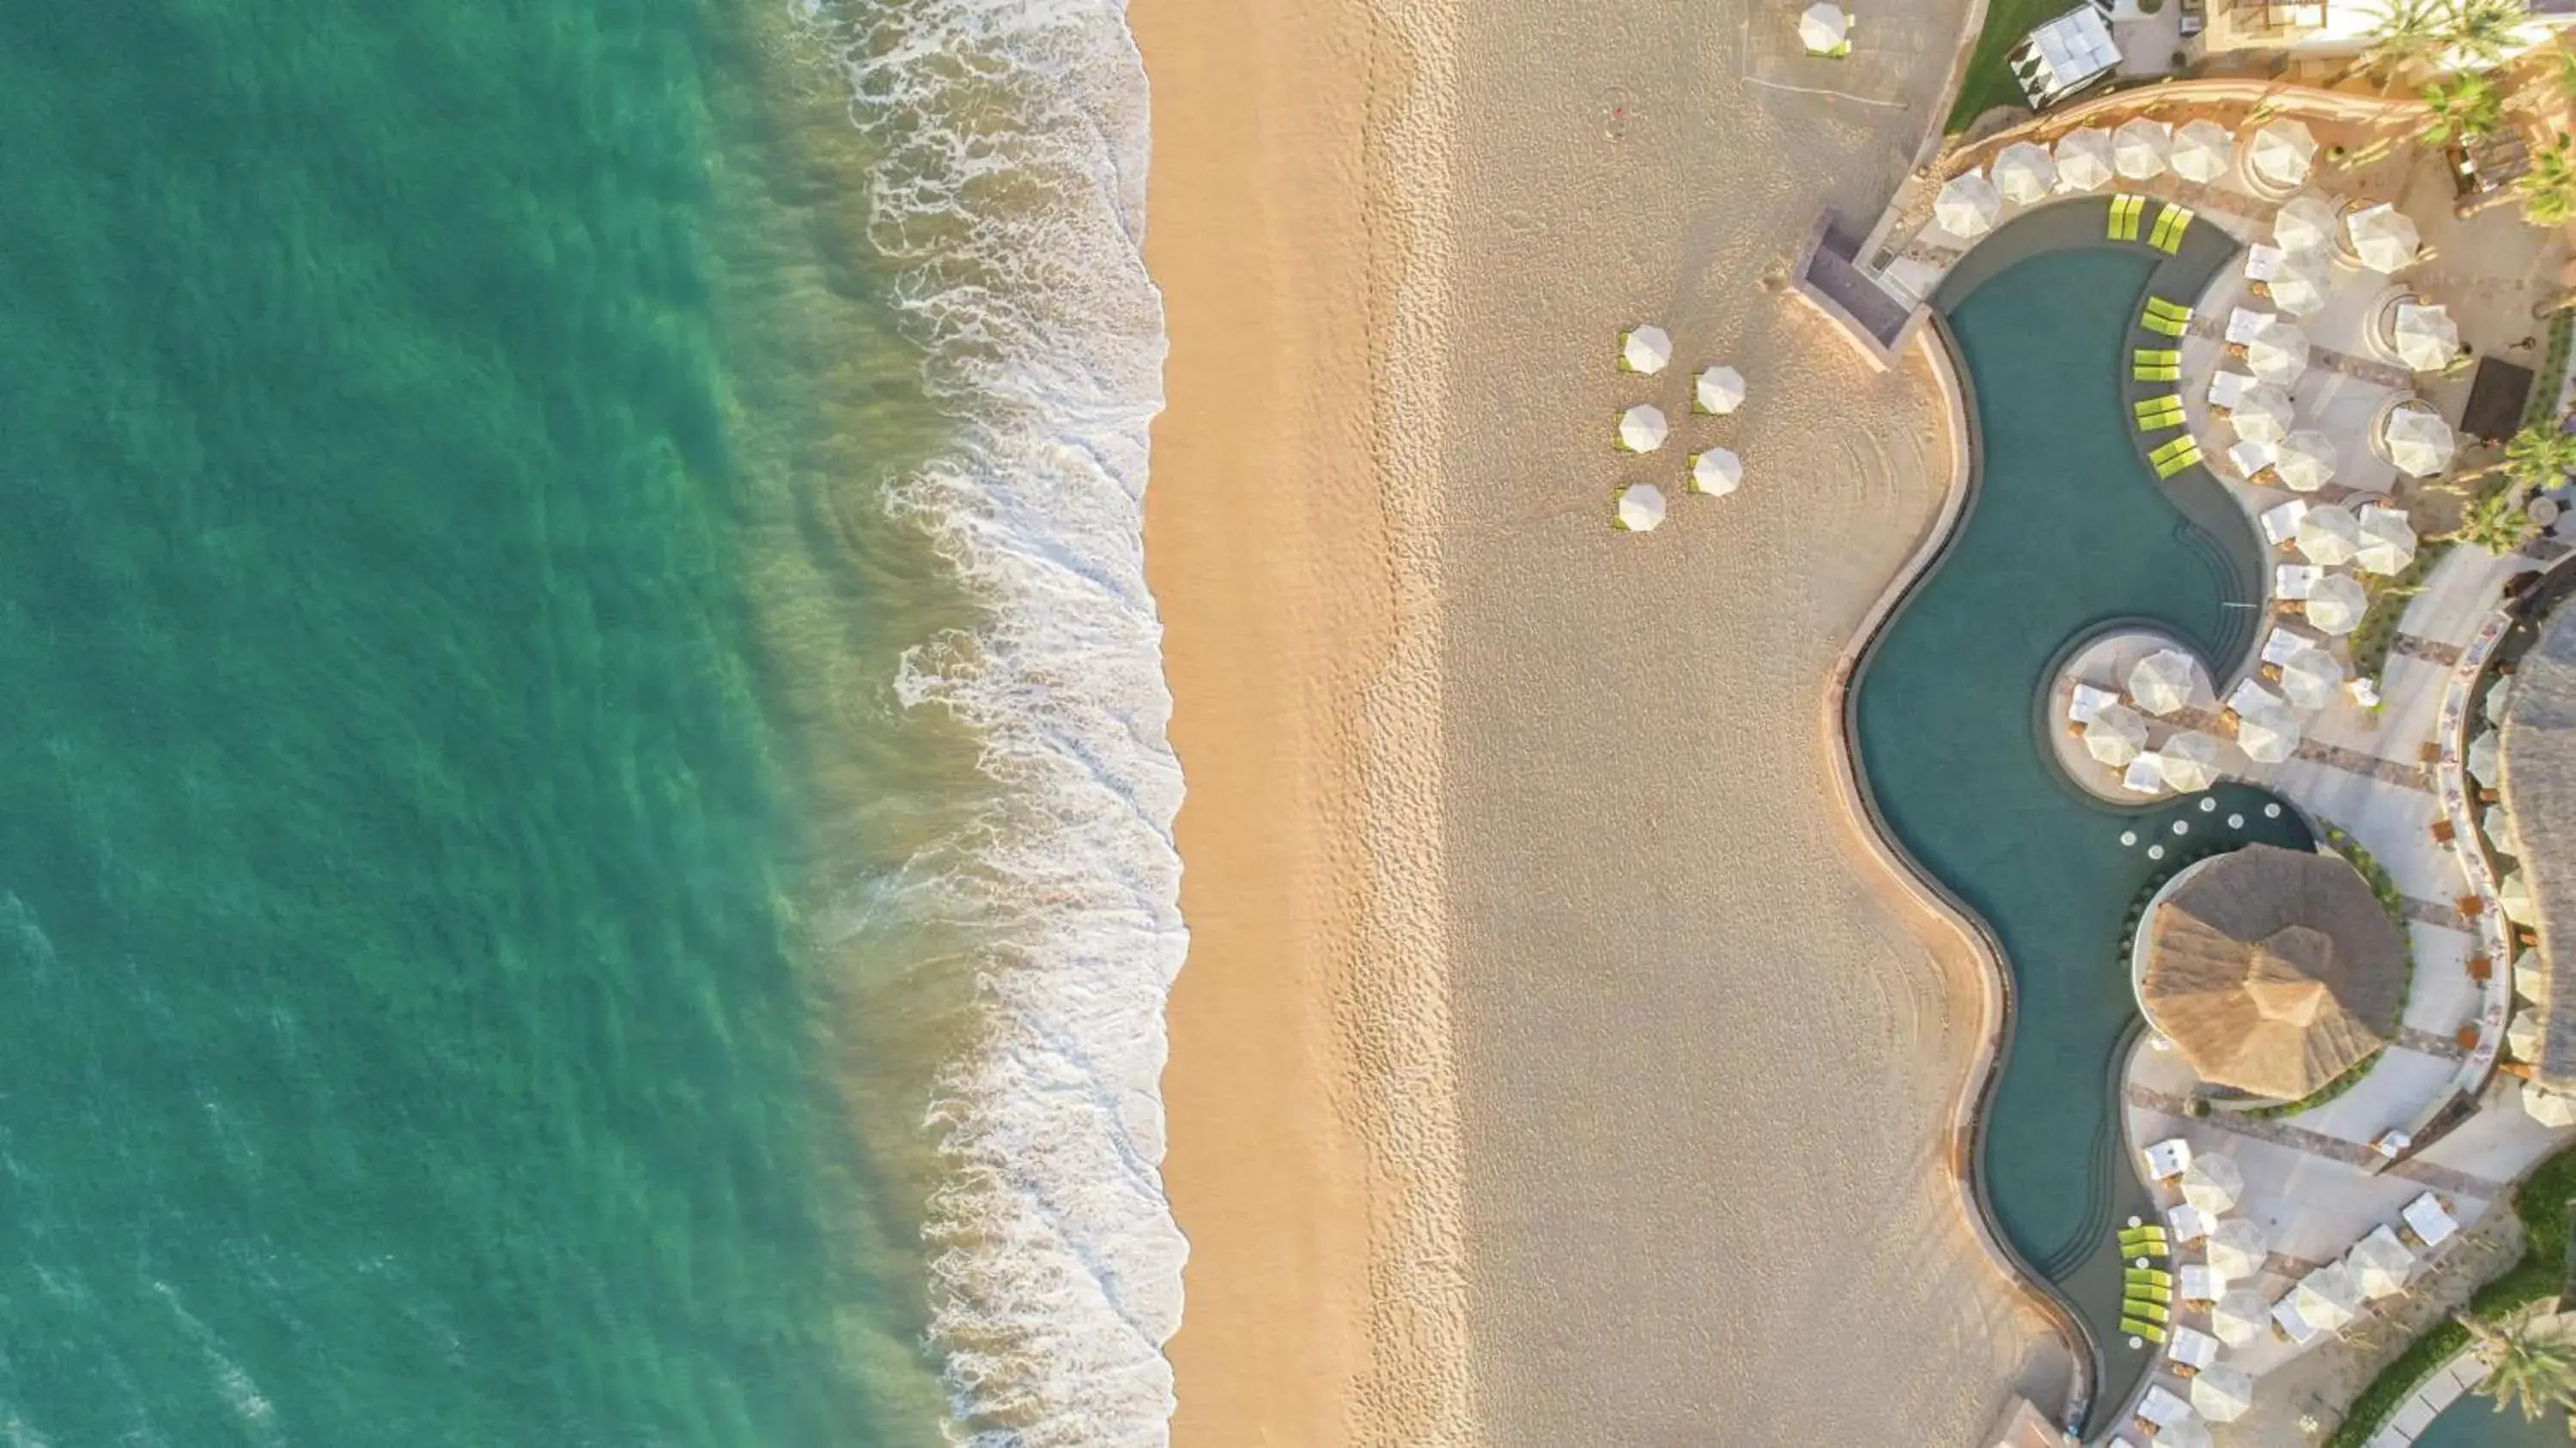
(2088, 158)
(1647, 350)
(2163, 683)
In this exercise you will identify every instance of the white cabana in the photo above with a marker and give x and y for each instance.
(2167, 1158)
(2261, 413)
(2198, 1282)
(1824, 29)
(2522, 1037)
(2184, 1433)
(2429, 1220)
(2189, 761)
(2300, 283)
(1968, 205)
(2202, 151)
(2336, 604)
(2164, 681)
(2418, 441)
(2529, 982)
(1641, 507)
(2146, 774)
(2064, 55)
(2425, 337)
(1720, 390)
(2311, 677)
(2329, 535)
(2549, 1108)
(2116, 735)
(2328, 1297)
(1715, 472)
(2190, 1346)
(2484, 765)
(2305, 460)
(2269, 734)
(2387, 542)
(1641, 428)
(2024, 173)
(2306, 223)
(2280, 523)
(2212, 1183)
(2239, 1316)
(2160, 1406)
(2383, 237)
(2238, 1248)
(2514, 894)
(2138, 148)
(1645, 349)
(2084, 159)
(2380, 1264)
(2186, 1223)
(2277, 352)
(2222, 1392)
(2280, 154)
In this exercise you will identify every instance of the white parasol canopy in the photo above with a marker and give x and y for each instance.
(2268, 733)
(2164, 681)
(2419, 442)
(2336, 604)
(2138, 148)
(2497, 826)
(1645, 349)
(2115, 734)
(2146, 774)
(2202, 151)
(2427, 339)
(1641, 507)
(2329, 535)
(2499, 694)
(1715, 472)
(2483, 761)
(1641, 428)
(2300, 284)
(2311, 677)
(2328, 1297)
(2305, 460)
(2189, 761)
(2184, 1432)
(2261, 414)
(1823, 28)
(2383, 237)
(2237, 1248)
(2387, 542)
(2277, 352)
(2084, 159)
(2222, 1392)
(2522, 1037)
(2549, 1108)
(2306, 223)
(2379, 1264)
(2212, 1183)
(2529, 982)
(2024, 173)
(1968, 205)
(2280, 154)
(2514, 894)
(1721, 390)
(2240, 1316)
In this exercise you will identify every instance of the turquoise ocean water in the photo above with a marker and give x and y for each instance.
(557, 846)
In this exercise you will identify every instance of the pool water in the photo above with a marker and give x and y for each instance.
(2069, 533)
(2473, 1422)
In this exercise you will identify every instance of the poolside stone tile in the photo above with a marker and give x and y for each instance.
(2431, 651)
(2431, 1044)
(2436, 912)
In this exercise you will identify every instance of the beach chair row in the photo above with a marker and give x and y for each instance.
(2155, 364)
(2170, 319)
(2165, 236)
(2155, 414)
(2174, 456)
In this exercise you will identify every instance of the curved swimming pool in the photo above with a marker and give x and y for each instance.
(2068, 531)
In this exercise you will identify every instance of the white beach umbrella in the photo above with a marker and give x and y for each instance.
(2280, 154)
(2522, 1037)
(2311, 677)
(2497, 826)
(2084, 159)
(2387, 543)
(2419, 442)
(2300, 284)
(2306, 223)
(2024, 173)
(2238, 1248)
(2483, 762)
(2427, 339)
(2277, 352)
(2499, 695)
(1641, 507)
(2328, 1297)
(2514, 894)
(2329, 535)
(1721, 390)
(2261, 414)
(2379, 1264)
(2383, 237)
(1968, 205)
(1715, 472)
(1645, 349)
(2239, 1316)
(2529, 981)
(2269, 734)
(2138, 148)
(2115, 734)
(2549, 1108)
(2212, 1183)
(1641, 428)
(2202, 151)
(2336, 604)
(2189, 761)
(2146, 774)
(2164, 681)
(2184, 1432)
(1823, 28)
(2306, 460)
(2222, 1392)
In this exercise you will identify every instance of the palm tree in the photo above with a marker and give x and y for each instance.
(2484, 32)
(2464, 108)
(2529, 1362)
(2540, 455)
(2548, 189)
(2563, 77)
(2495, 523)
(2408, 32)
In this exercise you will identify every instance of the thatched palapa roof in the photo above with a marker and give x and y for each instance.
(2272, 971)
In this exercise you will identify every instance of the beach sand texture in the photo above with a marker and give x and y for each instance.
(1552, 1064)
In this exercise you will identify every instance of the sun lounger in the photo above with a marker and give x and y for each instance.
(2148, 1292)
(2155, 412)
(2153, 356)
(2163, 308)
(2167, 326)
(2155, 1312)
(2170, 447)
(2125, 211)
(2154, 372)
(2147, 1275)
(2170, 225)
(2143, 1229)
(2188, 457)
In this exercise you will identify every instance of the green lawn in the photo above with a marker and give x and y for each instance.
(1989, 82)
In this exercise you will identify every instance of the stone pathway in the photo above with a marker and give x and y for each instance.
(2426, 1043)
(2436, 912)
(2431, 651)
(2378, 374)
(2315, 1143)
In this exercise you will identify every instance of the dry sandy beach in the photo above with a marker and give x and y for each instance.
(1552, 1064)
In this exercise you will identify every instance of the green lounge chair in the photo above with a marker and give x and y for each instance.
(2164, 326)
(2162, 308)
(2156, 357)
(2155, 1312)
(2145, 1331)
(2149, 1292)
(2125, 212)
(2153, 372)
(2159, 414)
(2168, 449)
(2170, 225)
(2178, 462)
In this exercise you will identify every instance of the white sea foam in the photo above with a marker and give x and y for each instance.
(1010, 192)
